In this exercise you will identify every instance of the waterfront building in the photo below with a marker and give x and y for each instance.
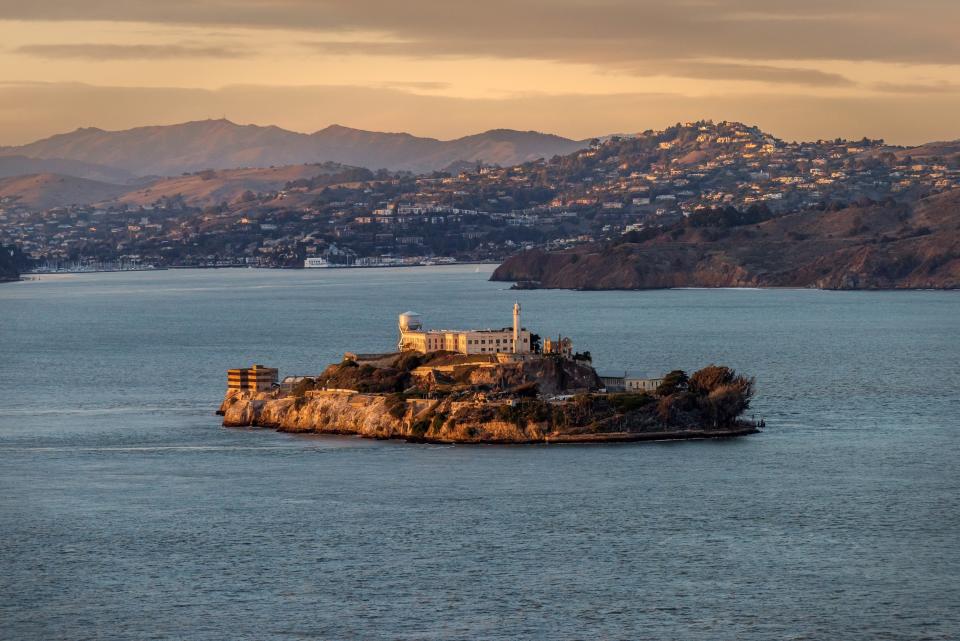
(257, 378)
(508, 340)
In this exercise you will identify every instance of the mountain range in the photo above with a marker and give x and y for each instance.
(167, 150)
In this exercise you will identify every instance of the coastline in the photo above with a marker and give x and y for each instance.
(478, 421)
(572, 439)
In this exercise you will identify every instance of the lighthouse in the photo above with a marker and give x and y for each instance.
(516, 328)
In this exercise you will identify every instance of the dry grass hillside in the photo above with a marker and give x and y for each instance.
(42, 191)
(226, 185)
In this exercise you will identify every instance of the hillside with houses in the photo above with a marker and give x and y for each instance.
(606, 193)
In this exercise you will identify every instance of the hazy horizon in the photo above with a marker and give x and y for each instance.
(576, 69)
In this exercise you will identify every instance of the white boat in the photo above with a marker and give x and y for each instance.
(314, 263)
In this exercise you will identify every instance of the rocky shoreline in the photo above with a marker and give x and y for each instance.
(478, 420)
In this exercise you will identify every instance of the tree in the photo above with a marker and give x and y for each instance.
(536, 343)
(722, 393)
(709, 378)
(673, 382)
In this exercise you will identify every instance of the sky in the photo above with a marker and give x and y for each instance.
(579, 68)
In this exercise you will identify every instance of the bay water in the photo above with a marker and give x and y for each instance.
(127, 512)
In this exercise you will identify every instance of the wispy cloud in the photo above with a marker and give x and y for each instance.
(917, 88)
(106, 52)
(415, 85)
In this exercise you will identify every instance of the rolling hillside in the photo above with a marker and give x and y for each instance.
(227, 185)
(42, 191)
(24, 165)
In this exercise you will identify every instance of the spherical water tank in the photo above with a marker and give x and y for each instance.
(410, 322)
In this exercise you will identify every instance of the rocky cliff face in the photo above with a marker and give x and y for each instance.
(449, 421)
(370, 415)
(494, 410)
(873, 247)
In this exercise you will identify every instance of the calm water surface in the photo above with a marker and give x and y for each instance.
(127, 512)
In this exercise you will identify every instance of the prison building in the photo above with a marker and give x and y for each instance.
(509, 340)
(256, 378)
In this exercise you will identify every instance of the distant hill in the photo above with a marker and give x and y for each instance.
(208, 187)
(941, 149)
(862, 247)
(42, 191)
(226, 185)
(220, 144)
(19, 165)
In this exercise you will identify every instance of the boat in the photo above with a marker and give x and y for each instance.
(314, 263)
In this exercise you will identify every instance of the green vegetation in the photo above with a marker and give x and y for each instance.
(673, 382)
(630, 402)
(524, 411)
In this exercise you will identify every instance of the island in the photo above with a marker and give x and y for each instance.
(489, 386)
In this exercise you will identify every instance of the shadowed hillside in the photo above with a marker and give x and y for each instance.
(862, 247)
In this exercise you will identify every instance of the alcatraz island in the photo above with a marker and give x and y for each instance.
(488, 386)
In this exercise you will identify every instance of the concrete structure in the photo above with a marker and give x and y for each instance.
(642, 384)
(513, 340)
(257, 378)
(289, 382)
(630, 384)
(614, 383)
(562, 345)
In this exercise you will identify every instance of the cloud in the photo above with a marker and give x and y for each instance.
(759, 73)
(917, 88)
(415, 85)
(699, 69)
(615, 32)
(125, 52)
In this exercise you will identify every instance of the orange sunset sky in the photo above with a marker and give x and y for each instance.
(801, 70)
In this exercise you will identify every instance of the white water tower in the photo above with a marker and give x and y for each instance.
(408, 322)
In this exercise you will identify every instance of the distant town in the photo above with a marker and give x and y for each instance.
(348, 216)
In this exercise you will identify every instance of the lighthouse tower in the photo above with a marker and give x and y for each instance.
(516, 328)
